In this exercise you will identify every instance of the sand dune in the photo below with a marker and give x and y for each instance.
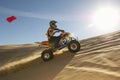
(40, 70)
(99, 59)
(90, 69)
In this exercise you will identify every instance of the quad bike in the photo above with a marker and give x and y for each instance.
(66, 40)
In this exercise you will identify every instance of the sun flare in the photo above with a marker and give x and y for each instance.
(105, 19)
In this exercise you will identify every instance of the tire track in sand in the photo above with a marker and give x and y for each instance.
(90, 69)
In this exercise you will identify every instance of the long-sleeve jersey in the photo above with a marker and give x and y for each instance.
(51, 31)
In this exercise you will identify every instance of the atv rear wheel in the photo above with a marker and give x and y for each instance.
(74, 46)
(47, 55)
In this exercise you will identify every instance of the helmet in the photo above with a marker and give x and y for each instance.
(53, 22)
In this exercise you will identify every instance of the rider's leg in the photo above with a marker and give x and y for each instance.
(54, 41)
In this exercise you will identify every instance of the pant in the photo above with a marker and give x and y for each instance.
(55, 41)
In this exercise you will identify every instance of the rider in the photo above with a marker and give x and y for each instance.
(53, 40)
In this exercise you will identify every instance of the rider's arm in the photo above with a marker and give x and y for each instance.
(59, 29)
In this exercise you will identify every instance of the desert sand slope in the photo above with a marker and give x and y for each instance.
(99, 59)
(12, 53)
(13, 56)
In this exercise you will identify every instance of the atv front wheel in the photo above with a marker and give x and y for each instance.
(74, 46)
(47, 55)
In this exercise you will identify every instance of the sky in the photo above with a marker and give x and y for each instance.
(33, 17)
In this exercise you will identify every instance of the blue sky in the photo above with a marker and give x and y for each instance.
(33, 18)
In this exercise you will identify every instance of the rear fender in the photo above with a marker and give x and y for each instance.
(44, 43)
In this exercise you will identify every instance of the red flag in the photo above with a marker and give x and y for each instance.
(10, 19)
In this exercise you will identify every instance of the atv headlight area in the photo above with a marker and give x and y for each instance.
(70, 35)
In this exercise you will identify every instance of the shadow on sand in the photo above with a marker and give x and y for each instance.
(40, 70)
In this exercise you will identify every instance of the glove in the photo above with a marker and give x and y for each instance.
(62, 30)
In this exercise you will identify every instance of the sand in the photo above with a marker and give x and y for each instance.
(98, 59)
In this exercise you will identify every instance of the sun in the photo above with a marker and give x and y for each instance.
(105, 19)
